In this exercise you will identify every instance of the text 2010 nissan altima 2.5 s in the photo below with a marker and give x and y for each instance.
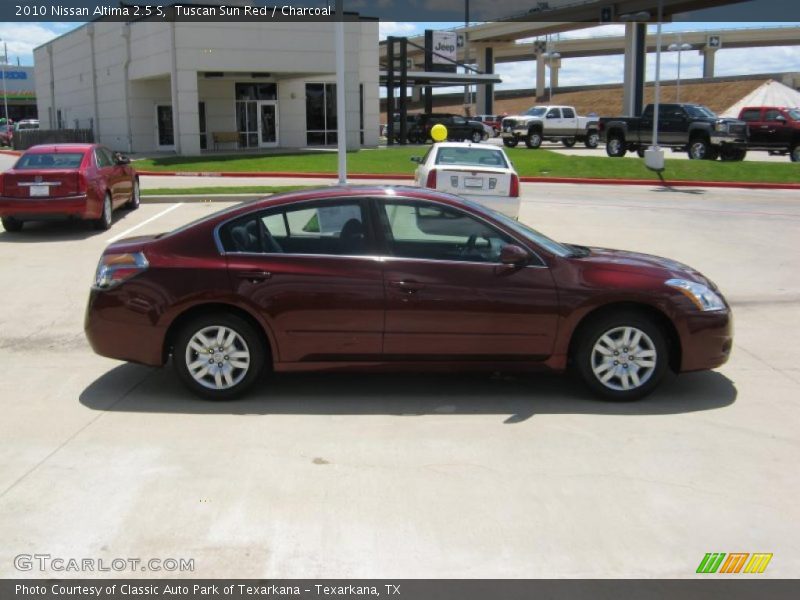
(396, 278)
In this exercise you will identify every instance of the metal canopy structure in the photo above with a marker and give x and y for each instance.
(434, 78)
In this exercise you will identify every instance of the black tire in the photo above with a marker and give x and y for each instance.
(533, 140)
(510, 142)
(136, 198)
(592, 140)
(255, 346)
(106, 217)
(568, 142)
(732, 154)
(12, 225)
(640, 152)
(699, 149)
(586, 360)
(477, 136)
(794, 153)
(615, 146)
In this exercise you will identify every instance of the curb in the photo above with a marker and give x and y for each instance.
(524, 179)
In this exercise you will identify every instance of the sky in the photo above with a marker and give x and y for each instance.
(22, 38)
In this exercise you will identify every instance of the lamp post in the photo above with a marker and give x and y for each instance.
(679, 47)
(5, 95)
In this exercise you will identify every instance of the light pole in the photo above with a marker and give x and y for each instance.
(679, 47)
(551, 58)
(5, 95)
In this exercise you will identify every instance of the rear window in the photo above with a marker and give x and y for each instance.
(50, 160)
(471, 156)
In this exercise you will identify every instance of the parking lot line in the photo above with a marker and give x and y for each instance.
(145, 222)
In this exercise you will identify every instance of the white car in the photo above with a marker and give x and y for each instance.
(478, 172)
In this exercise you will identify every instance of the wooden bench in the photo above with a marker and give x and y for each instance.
(225, 137)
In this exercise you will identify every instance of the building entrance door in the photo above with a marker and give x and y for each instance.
(267, 123)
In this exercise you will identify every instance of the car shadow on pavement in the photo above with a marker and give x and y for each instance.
(61, 230)
(135, 388)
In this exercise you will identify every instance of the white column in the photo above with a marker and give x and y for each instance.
(708, 62)
(185, 113)
(540, 75)
(629, 74)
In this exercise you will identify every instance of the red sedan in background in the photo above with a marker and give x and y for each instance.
(396, 278)
(84, 181)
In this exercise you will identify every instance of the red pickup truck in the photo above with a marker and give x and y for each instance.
(773, 128)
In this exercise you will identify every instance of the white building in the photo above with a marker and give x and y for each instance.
(149, 86)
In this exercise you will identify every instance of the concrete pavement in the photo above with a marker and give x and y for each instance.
(412, 476)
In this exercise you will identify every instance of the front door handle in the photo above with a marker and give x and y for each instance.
(408, 287)
(254, 276)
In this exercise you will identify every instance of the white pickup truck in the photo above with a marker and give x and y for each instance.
(550, 123)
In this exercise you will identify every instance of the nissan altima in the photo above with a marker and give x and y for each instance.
(396, 278)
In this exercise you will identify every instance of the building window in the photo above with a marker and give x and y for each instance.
(320, 114)
(256, 91)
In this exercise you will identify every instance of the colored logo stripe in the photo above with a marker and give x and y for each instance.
(711, 562)
(734, 562)
(758, 563)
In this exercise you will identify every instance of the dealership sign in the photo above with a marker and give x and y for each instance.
(444, 47)
(13, 75)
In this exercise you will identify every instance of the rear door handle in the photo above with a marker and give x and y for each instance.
(254, 276)
(408, 287)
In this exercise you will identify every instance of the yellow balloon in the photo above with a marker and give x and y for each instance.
(439, 132)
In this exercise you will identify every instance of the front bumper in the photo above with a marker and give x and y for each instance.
(517, 132)
(45, 208)
(728, 140)
(706, 340)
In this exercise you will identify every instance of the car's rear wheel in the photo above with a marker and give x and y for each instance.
(699, 149)
(622, 356)
(794, 153)
(510, 142)
(640, 152)
(104, 222)
(568, 142)
(219, 356)
(477, 136)
(533, 140)
(135, 200)
(11, 224)
(592, 140)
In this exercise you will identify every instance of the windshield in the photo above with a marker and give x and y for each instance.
(794, 113)
(699, 112)
(486, 157)
(533, 235)
(536, 111)
(50, 160)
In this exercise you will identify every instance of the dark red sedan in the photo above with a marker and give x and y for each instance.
(396, 278)
(84, 181)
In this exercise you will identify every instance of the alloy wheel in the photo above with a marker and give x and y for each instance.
(624, 358)
(217, 357)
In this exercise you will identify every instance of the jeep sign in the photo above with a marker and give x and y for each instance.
(444, 47)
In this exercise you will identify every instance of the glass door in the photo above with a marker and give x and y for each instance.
(267, 123)
(165, 134)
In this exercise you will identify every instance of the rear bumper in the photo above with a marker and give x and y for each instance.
(118, 328)
(45, 208)
(706, 340)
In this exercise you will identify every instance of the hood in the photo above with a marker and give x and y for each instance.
(645, 264)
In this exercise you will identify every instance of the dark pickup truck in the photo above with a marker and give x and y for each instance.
(773, 128)
(691, 128)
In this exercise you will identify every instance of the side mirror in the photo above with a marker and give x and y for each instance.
(121, 159)
(780, 119)
(416, 159)
(511, 254)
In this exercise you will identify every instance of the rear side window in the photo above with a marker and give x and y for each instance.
(569, 113)
(50, 160)
(310, 228)
(103, 158)
(772, 114)
(752, 114)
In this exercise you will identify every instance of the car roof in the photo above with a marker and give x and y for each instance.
(466, 145)
(66, 147)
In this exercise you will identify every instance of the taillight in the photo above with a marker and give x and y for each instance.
(431, 181)
(113, 269)
(514, 189)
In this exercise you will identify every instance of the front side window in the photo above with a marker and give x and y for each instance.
(429, 231)
(536, 111)
(332, 228)
(753, 114)
(554, 113)
(772, 115)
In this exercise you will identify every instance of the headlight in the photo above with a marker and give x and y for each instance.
(721, 127)
(702, 296)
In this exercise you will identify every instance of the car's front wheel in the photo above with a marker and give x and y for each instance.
(135, 200)
(510, 142)
(533, 140)
(477, 136)
(794, 153)
(218, 357)
(11, 224)
(622, 356)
